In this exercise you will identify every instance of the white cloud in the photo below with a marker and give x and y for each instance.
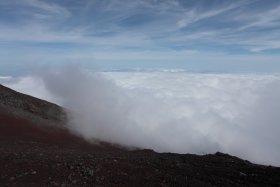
(39, 32)
(266, 45)
(195, 15)
(37, 21)
(5, 78)
(159, 6)
(176, 112)
(268, 18)
(30, 85)
(43, 21)
(47, 10)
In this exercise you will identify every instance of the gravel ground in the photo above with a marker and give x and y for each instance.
(31, 155)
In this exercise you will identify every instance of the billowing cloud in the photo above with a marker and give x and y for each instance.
(173, 111)
(30, 85)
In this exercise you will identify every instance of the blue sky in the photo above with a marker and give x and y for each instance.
(197, 35)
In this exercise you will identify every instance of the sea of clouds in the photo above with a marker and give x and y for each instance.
(168, 111)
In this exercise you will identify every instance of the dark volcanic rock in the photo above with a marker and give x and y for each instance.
(40, 155)
(29, 107)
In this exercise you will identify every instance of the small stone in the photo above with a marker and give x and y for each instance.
(12, 178)
(33, 172)
(70, 167)
(242, 174)
(90, 172)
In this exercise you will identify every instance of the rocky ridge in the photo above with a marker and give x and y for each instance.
(25, 106)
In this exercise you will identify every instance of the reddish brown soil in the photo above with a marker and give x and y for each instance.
(38, 156)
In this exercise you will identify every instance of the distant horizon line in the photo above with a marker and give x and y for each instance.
(7, 76)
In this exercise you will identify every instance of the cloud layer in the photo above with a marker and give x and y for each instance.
(171, 111)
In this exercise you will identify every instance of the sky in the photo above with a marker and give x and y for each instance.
(196, 35)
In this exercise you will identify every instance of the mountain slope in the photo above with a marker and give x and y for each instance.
(29, 107)
(36, 151)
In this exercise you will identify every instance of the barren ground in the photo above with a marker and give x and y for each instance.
(34, 154)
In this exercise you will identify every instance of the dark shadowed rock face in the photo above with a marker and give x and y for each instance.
(32, 154)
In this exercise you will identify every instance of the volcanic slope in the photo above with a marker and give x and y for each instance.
(36, 149)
